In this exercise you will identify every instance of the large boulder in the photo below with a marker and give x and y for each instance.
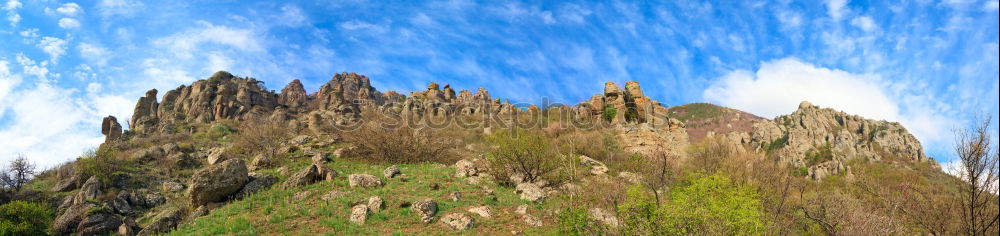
(216, 182)
(358, 214)
(98, 223)
(68, 221)
(530, 192)
(256, 183)
(309, 175)
(391, 172)
(364, 181)
(165, 221)
(457, 221)
(426, 208)
(465, 168)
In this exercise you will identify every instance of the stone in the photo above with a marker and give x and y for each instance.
(426, 208)
(91, 190)
(521, 209)
(217, 182)
(260, 162)
(465, 168)
(331, 195)
(604, 217)
(67, 222)
(482, 211)
(163, 222)
(144, 117)
(320, 158)
(358, 214)
(455, 196)
(299, 196)
(255, 184)
(217, 155)
(171, 186)
(531, 220)
(111, 129)
(364, 181)
(310, 174)
(98, 223)
(128, 227)
(530, 192)
(391, 172)
(343, 152)
(596, 167)
(120, 205)
(630, 177)
(457, 221)
(68, 184)
(375, 203)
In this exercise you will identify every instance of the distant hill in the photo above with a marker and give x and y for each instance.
(702, 118)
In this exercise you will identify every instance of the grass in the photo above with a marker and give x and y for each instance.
(275, 212)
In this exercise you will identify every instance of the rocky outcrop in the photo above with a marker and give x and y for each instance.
(256, 183)
(620, 106)
(217, 182)
(111, 129)
(823, 139)
(144, 117)
(294, 95)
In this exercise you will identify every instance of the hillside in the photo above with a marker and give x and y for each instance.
(226, 155)
(704, 118)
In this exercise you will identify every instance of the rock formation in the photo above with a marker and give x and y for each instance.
(822, 139)
(111, 129)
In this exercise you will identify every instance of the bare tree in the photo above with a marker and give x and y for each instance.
(978, 155)
(19, 172)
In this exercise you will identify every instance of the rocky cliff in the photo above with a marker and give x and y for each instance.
(823, 140)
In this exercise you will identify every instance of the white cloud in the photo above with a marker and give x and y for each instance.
(12, 5)
(126, 8)
(991, 6)
(574, 13)
(363, 26)
(7, 83)
(30, 33)
(777, 88)
(69, 9)
(69, 23)
(53, 46)
(30, 67)
(789, 19)
(292, 16)
(14, 18)
(864, 23)
(185, 43)
(94, 53)
(48, 126)
(836, 8)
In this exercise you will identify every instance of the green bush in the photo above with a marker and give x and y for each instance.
(575, 221)
(701, 205)
(522, 152)
(822, 154)
(24, 218)
(610, 113)
(102, 163)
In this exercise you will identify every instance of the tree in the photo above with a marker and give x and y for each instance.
(978, 194)
(18, 172)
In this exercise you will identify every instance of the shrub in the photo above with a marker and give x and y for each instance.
(702, 205)
(522, 152)
(260, 137)
(575, 221)
(102, 163)
(24, 218)
(402, 144)
(610, 113)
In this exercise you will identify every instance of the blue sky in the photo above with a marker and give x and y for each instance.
(927, 64)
